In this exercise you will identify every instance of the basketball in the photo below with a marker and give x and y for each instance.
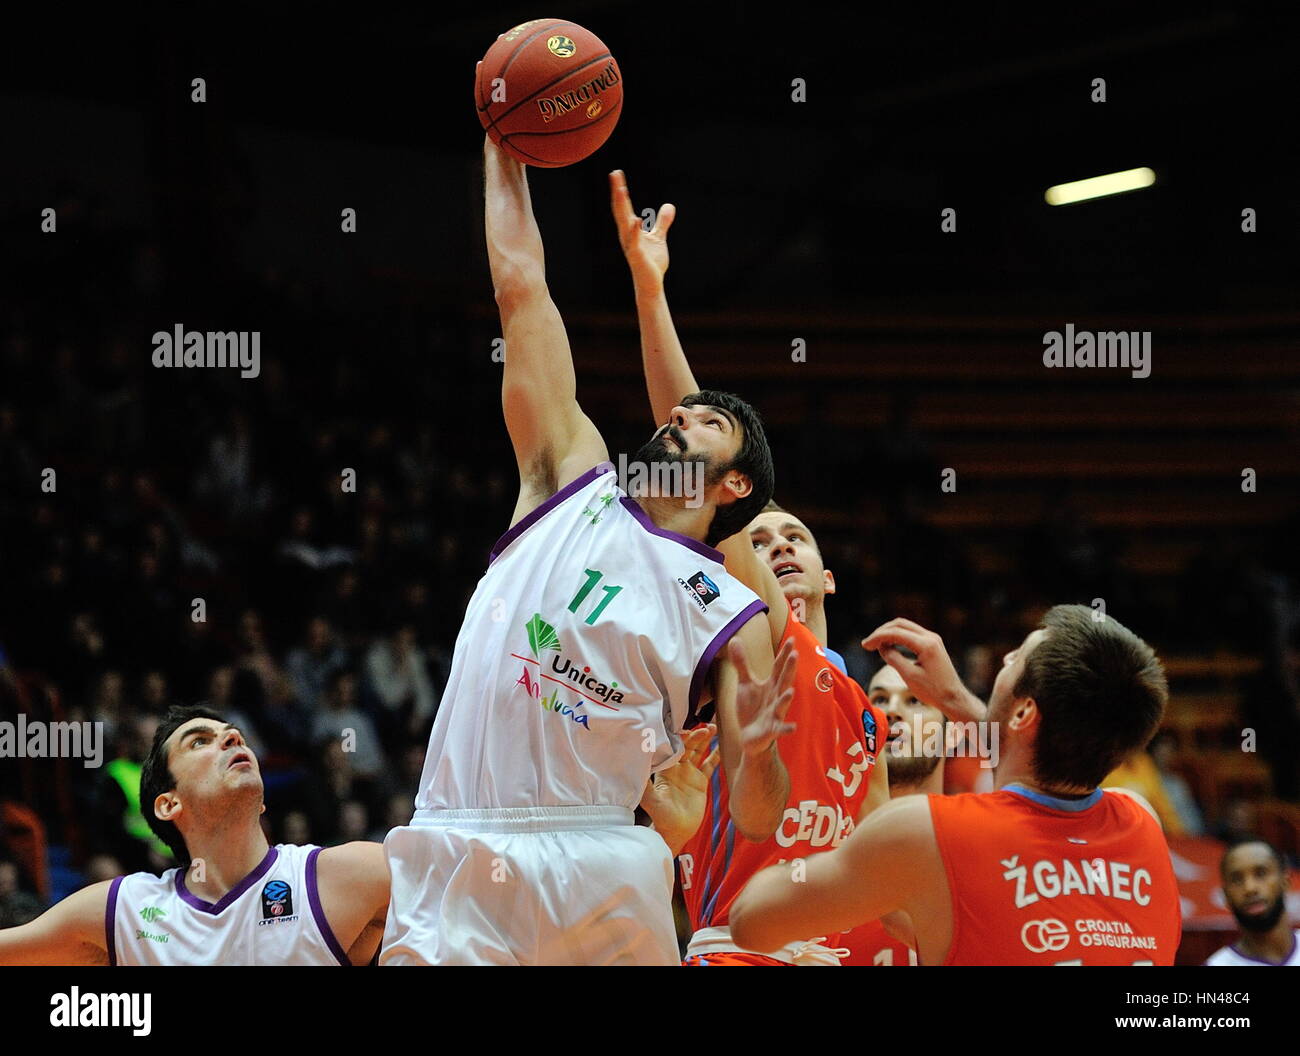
(548, 92)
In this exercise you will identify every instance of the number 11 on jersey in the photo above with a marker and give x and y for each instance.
(593, 577)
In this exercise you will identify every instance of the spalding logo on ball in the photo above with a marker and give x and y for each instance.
(548, 92)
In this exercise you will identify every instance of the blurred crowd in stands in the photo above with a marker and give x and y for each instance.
(196, 543)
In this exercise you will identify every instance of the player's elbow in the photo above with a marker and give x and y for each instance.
(515, 283)
(748, 928)
(757, 826)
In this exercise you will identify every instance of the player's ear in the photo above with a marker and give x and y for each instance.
(167, 806)
(829, 580)
(739, 485)
(1024, 714)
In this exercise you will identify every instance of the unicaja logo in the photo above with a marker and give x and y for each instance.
(152, 913)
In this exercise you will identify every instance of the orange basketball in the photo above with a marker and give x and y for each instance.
(548, 92)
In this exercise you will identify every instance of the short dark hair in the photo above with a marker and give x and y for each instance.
(1242, 841)
(1100, 693)
(754, 459)
(156, 777)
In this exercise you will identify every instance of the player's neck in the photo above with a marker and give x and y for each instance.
(671, 515)
(227, 856)
(814, 616)
(1011, 774)
(1272, 945)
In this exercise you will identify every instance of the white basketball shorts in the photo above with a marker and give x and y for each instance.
(556, 885)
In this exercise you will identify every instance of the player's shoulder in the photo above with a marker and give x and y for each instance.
(1223, 956)
(1122, 795)
(361, 861)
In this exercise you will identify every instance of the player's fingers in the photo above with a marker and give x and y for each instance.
(900, 663)
(783, 703)
(736, 654)
(667, 213)
(619, 199)
(895, 636)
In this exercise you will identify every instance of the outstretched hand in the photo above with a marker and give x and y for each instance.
(646, 251)
(761, 707)
(931, 676)
(675, 798)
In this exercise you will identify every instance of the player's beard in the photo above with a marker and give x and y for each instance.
(910, 770)
(1259, 923)
(657, 451)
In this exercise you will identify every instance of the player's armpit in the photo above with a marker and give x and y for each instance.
(353, 883)
(70, 933)
(745, 565)
(877, 787)
(874, 872)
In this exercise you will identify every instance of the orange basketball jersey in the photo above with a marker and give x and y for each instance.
(829, 757)
(1039, 880)
(870, 944)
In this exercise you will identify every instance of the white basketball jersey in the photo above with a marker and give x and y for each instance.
(1230, 956)
(584, 648)
(272, 916)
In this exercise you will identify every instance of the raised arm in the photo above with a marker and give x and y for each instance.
(554, 440)
(668, 374)
(70, 933)
(751, 710)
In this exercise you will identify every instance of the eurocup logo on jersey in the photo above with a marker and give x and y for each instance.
(702, 589)
(277, 902)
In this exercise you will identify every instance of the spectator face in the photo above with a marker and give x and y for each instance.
(318, 635)
(352, 821)
(1254, 886)
(219, 687)
(345, 692)
(296, 828)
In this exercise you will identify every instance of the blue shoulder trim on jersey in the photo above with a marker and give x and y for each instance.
(545, 507)
(230, 896)
(1074, 806)
(835, 658)
(110, 920)
(318, 911)
(634, 508)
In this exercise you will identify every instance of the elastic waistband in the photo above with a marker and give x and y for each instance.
(804, 954)
(525, 819)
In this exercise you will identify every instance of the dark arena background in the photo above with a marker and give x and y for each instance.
(874, 266)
